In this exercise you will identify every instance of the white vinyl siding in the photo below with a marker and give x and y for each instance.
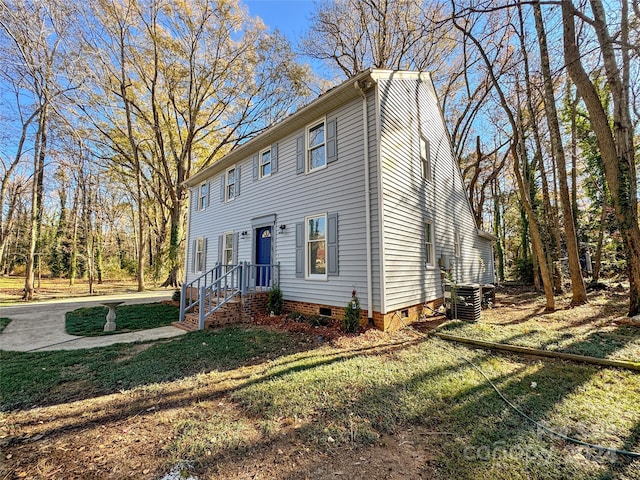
(409, 112)
(290, 197)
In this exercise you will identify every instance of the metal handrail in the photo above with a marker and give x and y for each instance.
(227, 281)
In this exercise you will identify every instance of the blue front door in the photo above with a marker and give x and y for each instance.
(263, 256)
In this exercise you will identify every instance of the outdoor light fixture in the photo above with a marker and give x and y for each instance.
(244, 234)
(282, 228)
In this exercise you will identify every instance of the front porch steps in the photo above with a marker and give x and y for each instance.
(230, 312)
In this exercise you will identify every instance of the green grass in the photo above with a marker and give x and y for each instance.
(89, 322)
(3, 323)
(41, 378)
(343, 398)
(355, 399)
(619, 342)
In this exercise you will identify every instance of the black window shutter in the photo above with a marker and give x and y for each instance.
(220, 246)
(332, 143)
(236, 244)
(300, 250)
(274, 158)
(222, 186)
(332, 245)
(237, 185)
(300, 154)
(255, 167)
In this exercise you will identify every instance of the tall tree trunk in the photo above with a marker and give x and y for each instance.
(551, 223)
(497, 229)
(578, 290)
(36, 200)
(614, 140)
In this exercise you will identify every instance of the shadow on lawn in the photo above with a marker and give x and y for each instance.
(444, 393)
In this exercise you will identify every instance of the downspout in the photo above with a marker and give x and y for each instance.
(367, 197)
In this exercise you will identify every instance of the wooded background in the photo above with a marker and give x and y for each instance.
(109, 105)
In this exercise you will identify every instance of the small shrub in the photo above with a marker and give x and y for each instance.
(523, 271)
(318, 320)
(275, 302)
(351, 319)
(297, 316)
(176, 295)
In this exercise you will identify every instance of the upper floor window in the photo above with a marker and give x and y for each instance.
(316, 251)
(425, 158)
(429, 253)
(316, 151)
(230, 184)
(265, 163)
(203, 196)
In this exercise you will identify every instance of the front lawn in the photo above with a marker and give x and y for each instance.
(89, 321)
(247, 402)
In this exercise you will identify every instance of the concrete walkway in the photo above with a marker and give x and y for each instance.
(40, 326)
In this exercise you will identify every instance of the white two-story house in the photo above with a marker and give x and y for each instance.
(356, 191)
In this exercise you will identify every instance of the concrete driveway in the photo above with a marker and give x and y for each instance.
(40, 326)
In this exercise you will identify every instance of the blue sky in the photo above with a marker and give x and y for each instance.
(291, 17)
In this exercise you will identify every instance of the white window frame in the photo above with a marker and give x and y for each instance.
(203, 196)
(227, 186)
(227, 238)
(262, 164)
(311, 148)
(199, 254)
(307, 247)
(429, 245)
(456, 243)
(425, 158)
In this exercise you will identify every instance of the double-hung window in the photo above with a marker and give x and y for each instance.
(316, 148)
(316, 248)
(265, 163)
(227, 249)
(200, 254)
(429, 253)
(230, 184)
(425, 158)
(203, 196)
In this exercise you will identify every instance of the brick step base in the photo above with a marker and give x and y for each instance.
(236, 310)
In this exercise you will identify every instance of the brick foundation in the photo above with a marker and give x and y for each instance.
(252, 305)
(314, 309)
(386, 322)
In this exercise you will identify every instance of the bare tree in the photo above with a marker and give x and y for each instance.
(187, 92)
(616, 139)
(578, 289)
(36, 33)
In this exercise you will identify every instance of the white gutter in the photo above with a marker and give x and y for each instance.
(367, 197)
